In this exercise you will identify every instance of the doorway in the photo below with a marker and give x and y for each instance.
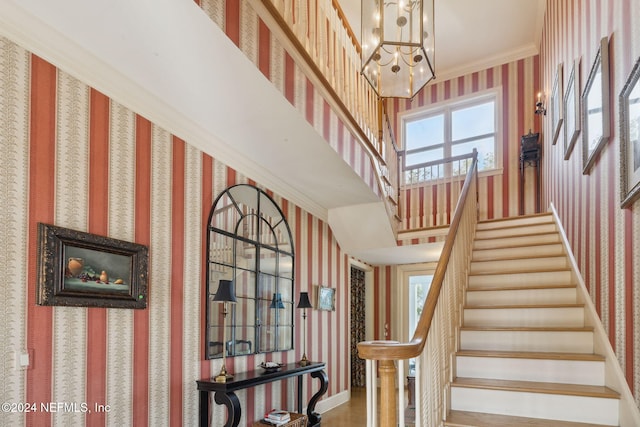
(415, 281)
(358, 326)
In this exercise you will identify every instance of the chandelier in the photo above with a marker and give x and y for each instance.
(397, 46)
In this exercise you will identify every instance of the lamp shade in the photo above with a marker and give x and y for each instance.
(226, 292)
(276, 301)
(304, 300)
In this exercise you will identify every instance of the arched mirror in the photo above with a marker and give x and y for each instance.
(249, 242)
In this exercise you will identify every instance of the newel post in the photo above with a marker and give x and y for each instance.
(388, 410)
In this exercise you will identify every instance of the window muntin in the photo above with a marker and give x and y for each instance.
(450, 129)
(250, 243)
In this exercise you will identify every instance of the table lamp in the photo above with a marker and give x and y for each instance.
(226, 294)
(304, 303)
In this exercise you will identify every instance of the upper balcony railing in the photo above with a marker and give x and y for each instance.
(324, 43)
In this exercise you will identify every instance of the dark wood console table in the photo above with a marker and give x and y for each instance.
(225, 392)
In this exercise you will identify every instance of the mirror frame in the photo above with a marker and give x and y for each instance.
(592, 144)
(629, 148)
(249, 242)
(557, 114)
(572, 110)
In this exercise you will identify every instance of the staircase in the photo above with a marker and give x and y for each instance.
(526, 357)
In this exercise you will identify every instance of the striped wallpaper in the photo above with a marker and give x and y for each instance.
(605, 239)
(518, 83)
(70, 156)
(252, 36)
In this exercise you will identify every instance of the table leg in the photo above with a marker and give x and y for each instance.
(204, 408)
(314, 417)
(231, 401)
(299, 379)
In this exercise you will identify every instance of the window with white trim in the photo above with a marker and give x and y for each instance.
(451, 129)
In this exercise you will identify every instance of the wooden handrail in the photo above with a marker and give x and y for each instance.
(393, 350)
(326, 85)
(439, 162)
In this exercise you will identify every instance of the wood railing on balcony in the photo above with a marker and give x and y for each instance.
(429, 191)
(325, 45)
(435, 336)
(317, 34)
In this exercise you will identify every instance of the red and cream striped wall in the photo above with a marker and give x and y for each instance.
(517, 83)
(248, 31)
(605, 239)
(71, 156)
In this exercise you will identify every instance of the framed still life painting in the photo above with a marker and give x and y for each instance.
(82, 269)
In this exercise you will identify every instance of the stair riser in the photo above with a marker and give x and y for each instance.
(519, 231)
(523, 296)
(536, 405)
(518, 252)
(543, 341)
(533, 220)
(518, 265)
(537, 370)
(569, 317)
(507, 242)
(546, 278)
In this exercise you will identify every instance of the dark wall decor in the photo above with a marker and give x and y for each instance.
(630, 139)
(572, 115)
(557, 96)
(530, 155)
(82, 269)
(249, 242)
(595, 108)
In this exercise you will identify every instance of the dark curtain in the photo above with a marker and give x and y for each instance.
(358, 367)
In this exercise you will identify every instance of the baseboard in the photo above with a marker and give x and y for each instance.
(615, 379)
(331, 402)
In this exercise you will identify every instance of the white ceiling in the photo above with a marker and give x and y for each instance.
(162, 60)
(473, 35)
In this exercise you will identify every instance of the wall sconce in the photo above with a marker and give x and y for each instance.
(304, 303)
(226, 294)
(540, 108)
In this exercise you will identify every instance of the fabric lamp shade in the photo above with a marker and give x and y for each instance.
(226, 292)
(276, 301)
(304, 300)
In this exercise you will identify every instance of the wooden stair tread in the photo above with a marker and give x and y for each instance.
(518, 258)
(525, 270)
(510, 306)
(512, 218)
(516, 245)
(528, 329)
(537, 387)
(519, 288)
(484, 239)
(478, 419)
(590, 357)
(515, 257)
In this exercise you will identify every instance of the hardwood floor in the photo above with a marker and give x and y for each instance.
(354, 412)
(350, 414)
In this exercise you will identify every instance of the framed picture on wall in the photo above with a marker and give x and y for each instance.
(630, 139)
(595, 108)
(326, 298)
(556, 105)
(572, 110)
(82, 269)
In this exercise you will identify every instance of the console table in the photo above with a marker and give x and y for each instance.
(224, 393)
